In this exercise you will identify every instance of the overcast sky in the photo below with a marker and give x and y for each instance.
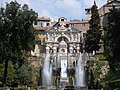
(70, 9)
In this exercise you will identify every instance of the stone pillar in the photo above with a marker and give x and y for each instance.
(78, 37)
(71, 49)
(37, 50)
(47, 49)
(71, 37)
(78, 49)
(47, 37)
(54, 49)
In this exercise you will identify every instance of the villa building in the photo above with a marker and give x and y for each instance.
(45, 25)
(105, 9)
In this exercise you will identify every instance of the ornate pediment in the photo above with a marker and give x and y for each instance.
(62, 27)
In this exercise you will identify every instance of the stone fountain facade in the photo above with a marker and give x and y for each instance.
(64, 43)
(63, 40)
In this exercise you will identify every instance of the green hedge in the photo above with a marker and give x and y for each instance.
(101, 57)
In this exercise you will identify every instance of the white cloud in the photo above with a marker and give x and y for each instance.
(101, 2)
(89, 3)
(45, 13)
(71, 9)
(26, 1)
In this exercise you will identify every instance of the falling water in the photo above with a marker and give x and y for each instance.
(58, 60)
(80, 74)
(47, 72)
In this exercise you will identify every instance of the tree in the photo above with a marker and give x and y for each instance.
(112, 48)
(1, 73)
(112, 39)
(17, 35)
(93, 36)
(23, 74)
(10, 74)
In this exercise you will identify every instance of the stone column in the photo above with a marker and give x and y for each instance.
(54, 49)
(78, 37)
(78, 49)
(47, 49)
(37, 50)
(71, 49)
(71, 36)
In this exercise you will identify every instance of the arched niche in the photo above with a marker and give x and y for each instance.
(64, 37)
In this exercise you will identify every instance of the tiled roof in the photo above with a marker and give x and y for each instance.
(78, 21)
(40, 28)
(43, 18)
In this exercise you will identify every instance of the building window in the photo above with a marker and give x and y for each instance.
(41, 24)
(62, 19)
(88, 11)
(83, 24)
(72, 25)
(47, 24)
(84, 34)
(58, 25)
(67, 25)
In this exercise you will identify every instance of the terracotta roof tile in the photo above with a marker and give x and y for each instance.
(43, 18)
(40, 28)
(78, 21)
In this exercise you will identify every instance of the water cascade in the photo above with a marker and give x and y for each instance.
(80, 73)
(47, 72)
(58, 60)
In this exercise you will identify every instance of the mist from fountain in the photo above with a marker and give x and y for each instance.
(47, 72)
(80, 73)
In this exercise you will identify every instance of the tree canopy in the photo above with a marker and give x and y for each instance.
(112, 48)
(16, 30)
(17, 35)
(112, 39)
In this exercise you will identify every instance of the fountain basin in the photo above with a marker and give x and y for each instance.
(69, 88)
(81, 88)
(46, 88)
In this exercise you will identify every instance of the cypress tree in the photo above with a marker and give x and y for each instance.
(93, 36)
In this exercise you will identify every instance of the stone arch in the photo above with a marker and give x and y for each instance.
(59, 38)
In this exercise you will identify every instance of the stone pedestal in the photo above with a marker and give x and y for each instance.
(63, 81)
